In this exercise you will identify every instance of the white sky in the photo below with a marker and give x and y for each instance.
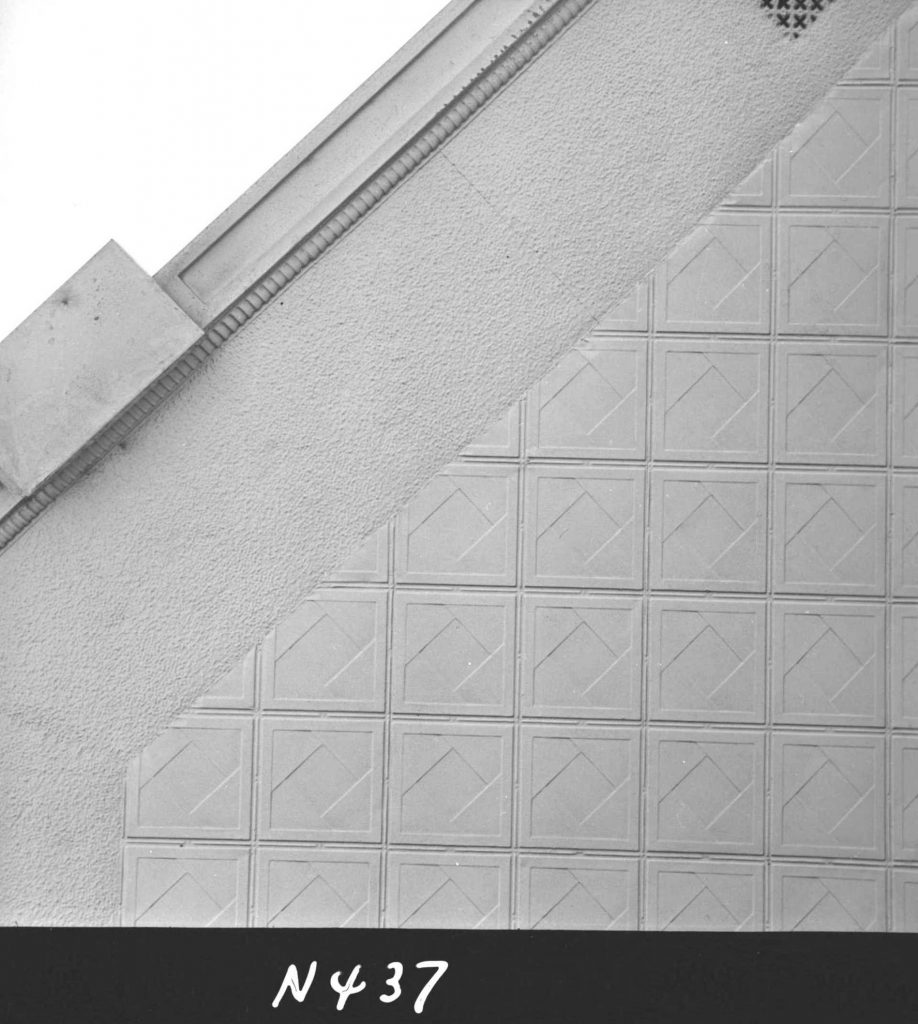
(143, 121)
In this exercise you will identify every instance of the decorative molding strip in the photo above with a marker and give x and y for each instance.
(457, 113)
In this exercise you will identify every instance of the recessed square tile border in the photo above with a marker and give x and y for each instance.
(904, 804)
(833, 878)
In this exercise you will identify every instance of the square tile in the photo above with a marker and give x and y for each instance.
(907, 148)
(321, 779)
(904, 671)
(905, 900)
(581, 657)
(704, 896)
(757, 188)
(329, 655)
(369, 563)
(705, 791)
(828, 664)
(193, 781)
(710, 400)
(579, 787)
(907, 46)
(628, 315)
(826, 898)
(299, 888)
(235, 689)
(905, 797)
(905, 287)
(832, 274)
(172, 886)
(876, 64)
(461, 528)
(578, 893)
(501, 439)
(719, 278)
(453, 652)
(905, 407)
(450, 783)
(830, 404)
(839, 155)
(828, 795)
(707, 661)
(448, 890)
(904, 553)
(591, 405)
(708, 530)
(830, 533)
(586, 527)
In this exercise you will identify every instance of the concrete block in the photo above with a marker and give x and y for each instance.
(297, 888)
(460, 528)
(450, 783)
(839, 156)
(330, 655)
(828, 793)
(830, 404)
(832, 274)
(719, 278)
(321, 779)
(453, 653)
(455, 890)
(581, 657)
(580, 787)
(185, 886)
(904, 672)
(705, 791)
(84, 355)
(708, 530)
(590, 406)
(582, 893)
(828, 664)
(707, 661)
(704, 895)
(712, 400)
(829, 533)
(826, 898)
(588, 526)
(193, 782)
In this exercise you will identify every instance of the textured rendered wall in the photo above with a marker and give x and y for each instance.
(153, 575)
(646, 657)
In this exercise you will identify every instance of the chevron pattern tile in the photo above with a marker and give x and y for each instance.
(645, 655)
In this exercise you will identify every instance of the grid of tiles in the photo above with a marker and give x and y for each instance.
(646, 656)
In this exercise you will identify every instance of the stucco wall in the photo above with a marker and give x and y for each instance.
(154, 573)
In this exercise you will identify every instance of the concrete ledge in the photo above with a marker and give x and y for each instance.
(75, 364)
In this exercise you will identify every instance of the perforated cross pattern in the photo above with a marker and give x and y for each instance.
(793, 16)
(646, 654)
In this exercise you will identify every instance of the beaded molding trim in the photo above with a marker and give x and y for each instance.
(467, 103)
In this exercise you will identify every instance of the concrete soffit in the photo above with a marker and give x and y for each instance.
(156, 332)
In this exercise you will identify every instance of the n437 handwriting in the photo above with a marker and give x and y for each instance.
(353, 985)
